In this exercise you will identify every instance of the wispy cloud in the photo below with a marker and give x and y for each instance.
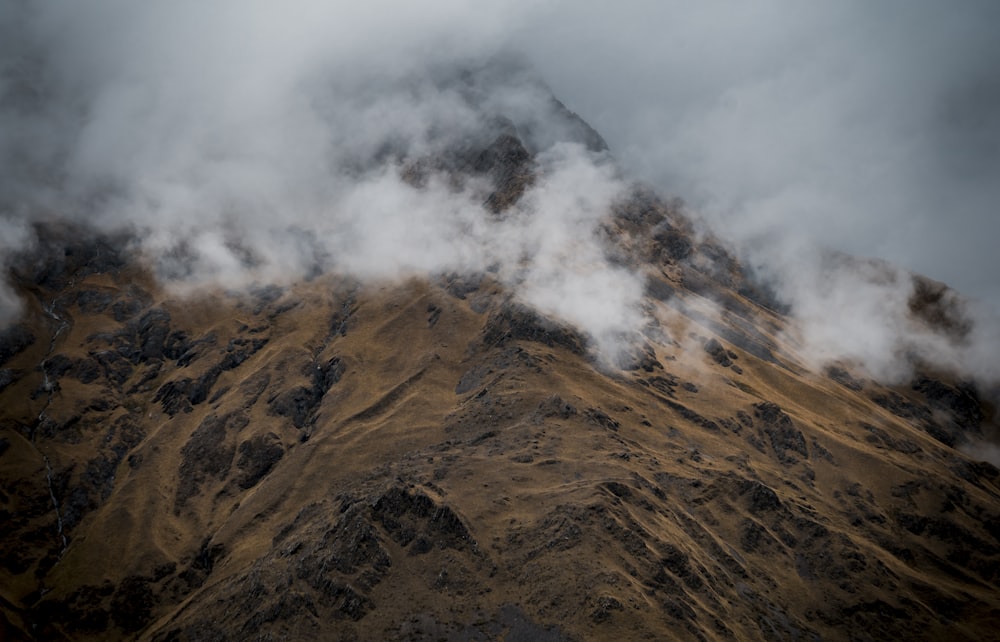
(246, 141)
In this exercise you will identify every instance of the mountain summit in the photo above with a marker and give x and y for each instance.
(590, 422)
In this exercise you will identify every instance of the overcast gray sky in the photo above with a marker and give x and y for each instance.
(872, 127)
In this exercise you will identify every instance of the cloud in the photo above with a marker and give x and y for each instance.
(799, 131)
(871, 129)
(14, 237)
(246, 141)
(250, 141)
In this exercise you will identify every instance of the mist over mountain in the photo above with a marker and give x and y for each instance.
(866, 129)
(340, 321)
(248, 143)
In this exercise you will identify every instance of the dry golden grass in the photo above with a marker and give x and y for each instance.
(620, 510)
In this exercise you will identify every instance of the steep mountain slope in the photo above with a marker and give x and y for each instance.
(431, 458)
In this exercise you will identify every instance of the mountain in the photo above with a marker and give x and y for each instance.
(431, 457)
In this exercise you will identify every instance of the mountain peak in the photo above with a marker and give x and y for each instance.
(481, 388)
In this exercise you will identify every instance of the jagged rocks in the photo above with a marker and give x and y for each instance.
(782, 433)
(208, 454)
(692, 416)
(576, 129)
(94, 300)
(884, 439)
(415, 518)
(556, 406)
(756, 538)
(659, 288)
(105, 610)
(350, 548)
(184, 350)
(645, 210)
(673, 245)
(666, 384)
(939, 307)
(600, 418)
(844, 378)
(176, 396)
(181, 394)
(960, 402)
(56, 366)
(327, 374)
(264, 296)
(760, 498)
(92, 488)
(639, 357)
(67, 252)
(132, 604)
(514, 322)
(253, 387)
(678, 563)
(296, 404)
(720, 354)
(951, 414)
(257, 457)
(509, 165)
(900, 405)
(321, 572)
(461, 286)
(299, 403)
(151, 333)
(84, 611)
(105, 365)
(606, 606)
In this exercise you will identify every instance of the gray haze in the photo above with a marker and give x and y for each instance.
(254, 141)
(870, 127)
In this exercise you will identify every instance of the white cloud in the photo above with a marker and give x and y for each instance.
(249, 140)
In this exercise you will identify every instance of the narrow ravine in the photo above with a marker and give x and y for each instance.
(55, 506)
(61, 325)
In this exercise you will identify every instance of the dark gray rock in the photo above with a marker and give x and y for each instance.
(132, 604)
(407, 516)
(844, 378)
(208, 454)
(961, 401)
(761, 498)
(296, 404)
(883, 439)
(600, 418)
(93, 301)
(718, 352)
(509, 166)
(783, 434)
(258, 456)
(514, 322)
(152, 330)
(672, 245)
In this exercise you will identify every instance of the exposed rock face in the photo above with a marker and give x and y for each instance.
(327, 460)
(508, 164)
(514, 322)
(781, 432)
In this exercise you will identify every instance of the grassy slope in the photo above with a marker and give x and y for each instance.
(627, 507)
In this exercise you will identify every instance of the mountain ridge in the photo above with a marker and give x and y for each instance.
(434, 457)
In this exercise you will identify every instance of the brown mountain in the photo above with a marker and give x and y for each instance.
(430, 459)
